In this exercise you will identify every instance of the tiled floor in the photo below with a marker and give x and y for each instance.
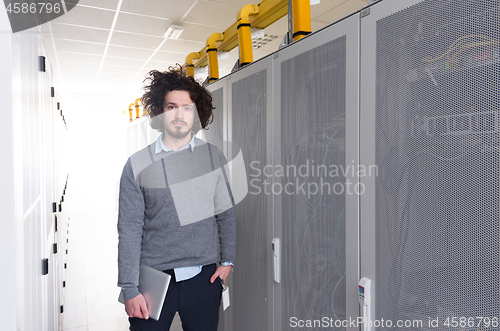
(91, 293)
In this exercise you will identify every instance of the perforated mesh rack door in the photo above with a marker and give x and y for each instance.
(437, 151)
(313, 107)
(252, 304)
(214, 133)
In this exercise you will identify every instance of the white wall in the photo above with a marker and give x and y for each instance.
(30, 299)
(38, 152)
(7, 234)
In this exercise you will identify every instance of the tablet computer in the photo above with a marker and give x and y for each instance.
(153, 285)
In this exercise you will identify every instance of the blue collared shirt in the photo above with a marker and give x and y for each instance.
(186, 272)
(160, 146)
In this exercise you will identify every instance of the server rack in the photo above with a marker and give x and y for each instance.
(406, 93)
(316, 116)
(296, 107)
(245, 131)
(429, 121)
(216, 131)
(217, 135)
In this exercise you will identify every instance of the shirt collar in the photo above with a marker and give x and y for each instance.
(160, 146)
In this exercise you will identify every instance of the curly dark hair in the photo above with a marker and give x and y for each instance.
(160, 83)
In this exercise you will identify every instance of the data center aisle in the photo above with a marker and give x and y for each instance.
(91, 204)
(91, 293)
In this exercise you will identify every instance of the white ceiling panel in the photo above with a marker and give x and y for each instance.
(116, 77)
(129, 52)
(72, 65)
(142, 24)
(109, 4)
(135, 40)
(141, 74)
(79, 33)
(169, 57)
(170, 9)
(129, 71)
(240, 3)
(318, 10)
(214, 14)
(79, 47)
(77, 57)
(280, 27)
(199, 32)
(79, 83)
(136, 85)
(344, 9)
(123, 62)
(86, 16)
(182, 46)
(75, 73)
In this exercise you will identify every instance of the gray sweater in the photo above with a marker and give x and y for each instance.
(175, 210)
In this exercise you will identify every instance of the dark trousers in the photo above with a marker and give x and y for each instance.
(197, 301)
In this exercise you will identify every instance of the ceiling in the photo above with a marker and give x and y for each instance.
(108, 46)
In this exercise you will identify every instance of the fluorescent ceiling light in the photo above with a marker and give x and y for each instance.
(173, 31)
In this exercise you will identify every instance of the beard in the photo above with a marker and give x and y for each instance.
(178, 132)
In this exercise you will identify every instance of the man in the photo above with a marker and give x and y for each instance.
(176, 211)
